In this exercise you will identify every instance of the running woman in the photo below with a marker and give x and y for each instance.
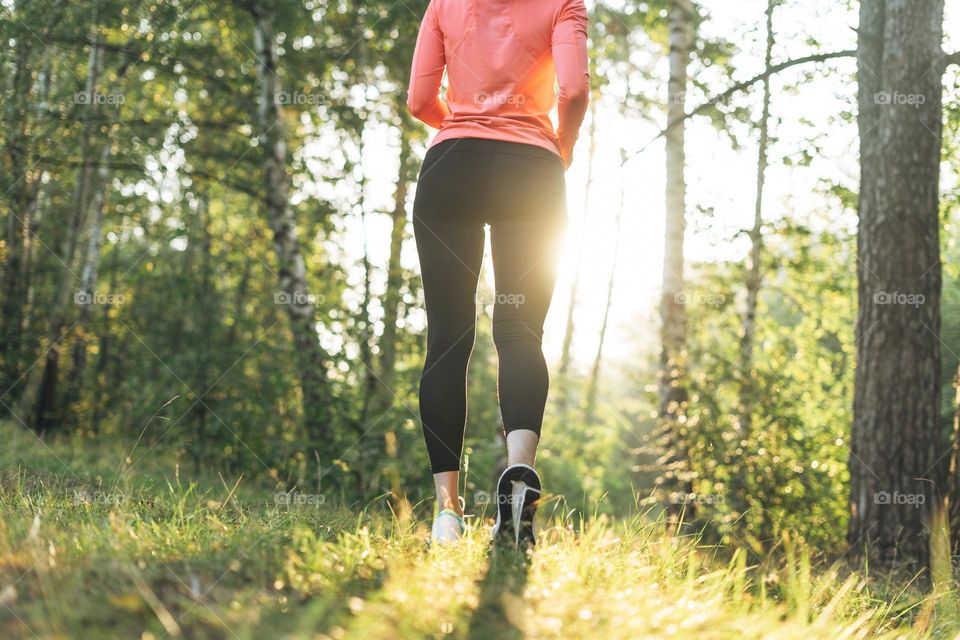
(496, 161)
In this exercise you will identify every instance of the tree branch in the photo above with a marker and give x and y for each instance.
(951, 58)
(122, 165)
(775, 69)
(740, 86)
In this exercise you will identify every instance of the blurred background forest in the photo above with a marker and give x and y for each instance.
(207, 255)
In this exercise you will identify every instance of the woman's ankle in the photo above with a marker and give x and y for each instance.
(448, 496)
(522, 447)
(446, 505)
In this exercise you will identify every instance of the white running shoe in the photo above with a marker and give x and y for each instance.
(518, 492)
(447, 528)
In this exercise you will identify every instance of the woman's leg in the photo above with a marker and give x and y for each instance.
(522, 447)
(449, 236)
(450, 260)
(447, 485)
(524, 263)
(525, 238)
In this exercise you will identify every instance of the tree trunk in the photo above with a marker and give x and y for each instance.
(104, 355)
(243, 287)
(383, 397)
(37, 404)
(954, 470)
(91, 264)
(593, 384)
(565, 353)
(675, 480)
(205, 302)
(740, 476)
(37, 200)
(898, 458)
(293, 291)
(14, 289)
(365, 324)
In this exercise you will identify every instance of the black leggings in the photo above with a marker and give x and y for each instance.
(519, 190)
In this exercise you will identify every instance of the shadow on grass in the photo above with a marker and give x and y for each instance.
(501, 596)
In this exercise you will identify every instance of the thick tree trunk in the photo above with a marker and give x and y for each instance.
(898, 454)
(293, 291)
(740, 477)
(954, 470)
(675, 480)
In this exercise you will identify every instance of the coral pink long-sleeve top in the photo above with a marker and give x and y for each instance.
(503, 59)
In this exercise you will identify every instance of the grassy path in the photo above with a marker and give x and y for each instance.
(165, 558)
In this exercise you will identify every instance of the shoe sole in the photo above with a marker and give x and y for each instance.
(518, 492)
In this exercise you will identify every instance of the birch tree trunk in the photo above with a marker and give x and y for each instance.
(91, 264)
(293, 291)
(675, 479)
(35, 212)
(739, 478)
(37, 404)
(898, 458)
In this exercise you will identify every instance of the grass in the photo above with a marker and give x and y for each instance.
(153, 554)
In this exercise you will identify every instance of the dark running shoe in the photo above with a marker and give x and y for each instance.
(518, 492)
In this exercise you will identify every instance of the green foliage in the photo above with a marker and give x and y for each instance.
(793, 460)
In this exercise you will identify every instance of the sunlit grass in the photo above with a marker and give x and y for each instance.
(166, 557)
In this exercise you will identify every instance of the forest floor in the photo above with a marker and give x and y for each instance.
(124, 555)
